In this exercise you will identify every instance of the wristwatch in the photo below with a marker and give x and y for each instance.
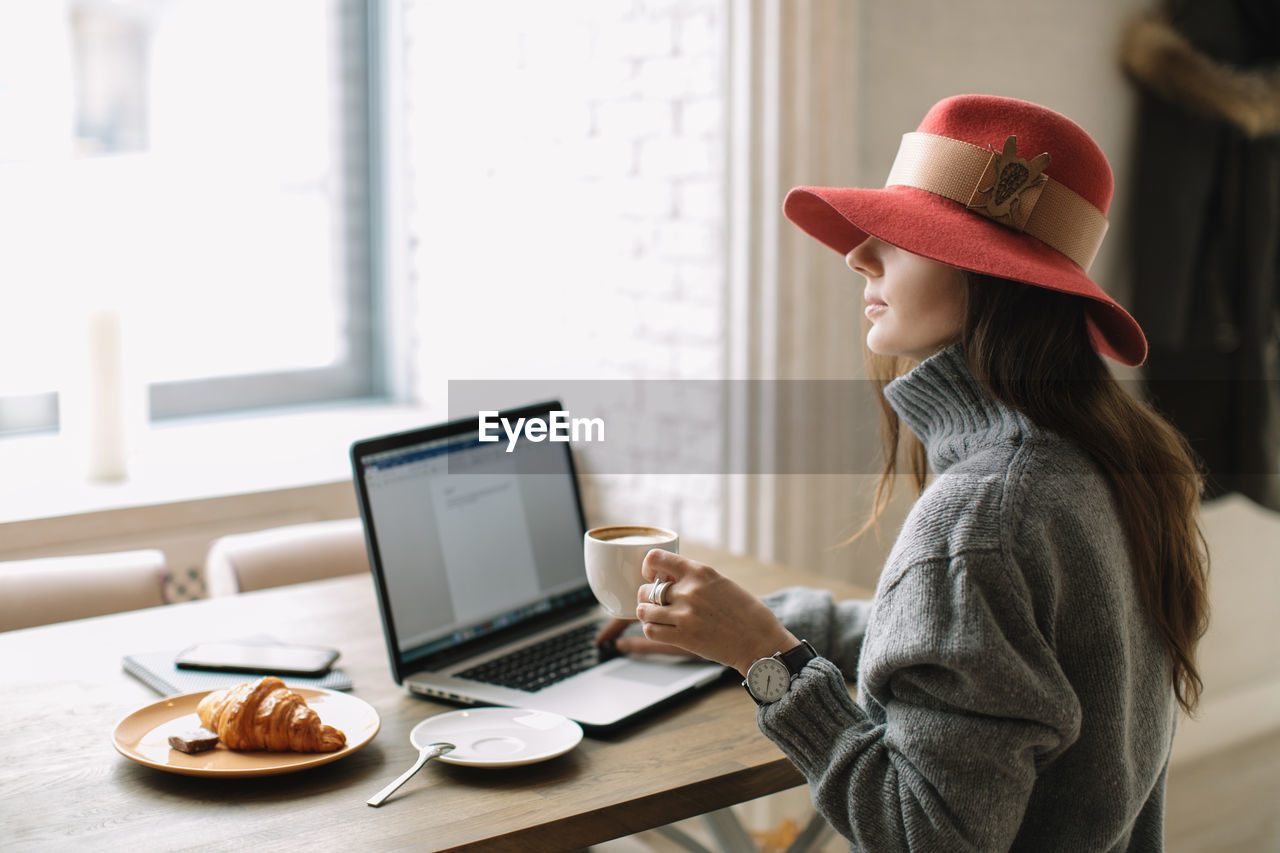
(768, 678)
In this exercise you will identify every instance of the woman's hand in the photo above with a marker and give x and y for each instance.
(706, 614)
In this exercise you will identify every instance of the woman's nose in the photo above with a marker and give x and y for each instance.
(864, 259)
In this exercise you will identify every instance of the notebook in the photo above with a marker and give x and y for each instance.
(476, 553)
(157, 671)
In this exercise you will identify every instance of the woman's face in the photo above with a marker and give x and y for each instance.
(916, 305)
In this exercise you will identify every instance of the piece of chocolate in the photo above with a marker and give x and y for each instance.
(193, 740)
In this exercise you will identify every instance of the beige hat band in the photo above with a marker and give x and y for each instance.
(1003, 187)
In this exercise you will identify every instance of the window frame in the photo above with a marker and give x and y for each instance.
(362, 376)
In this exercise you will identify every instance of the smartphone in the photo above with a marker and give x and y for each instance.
(264, 658)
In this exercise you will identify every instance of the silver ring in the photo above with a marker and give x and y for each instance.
(658, 593)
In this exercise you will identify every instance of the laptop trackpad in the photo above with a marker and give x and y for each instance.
(651, 672)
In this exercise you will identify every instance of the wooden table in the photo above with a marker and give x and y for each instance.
(63, 785)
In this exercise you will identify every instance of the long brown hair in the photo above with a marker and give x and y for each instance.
(1029, 347)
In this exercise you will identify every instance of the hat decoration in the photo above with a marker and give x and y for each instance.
(1002, 186)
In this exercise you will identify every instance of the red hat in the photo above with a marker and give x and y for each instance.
(995, 186)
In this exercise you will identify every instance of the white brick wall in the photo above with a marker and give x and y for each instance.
(565, 189)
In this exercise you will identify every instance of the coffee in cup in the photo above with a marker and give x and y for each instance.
(614, 556)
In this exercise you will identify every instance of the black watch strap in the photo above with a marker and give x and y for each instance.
(794, 659)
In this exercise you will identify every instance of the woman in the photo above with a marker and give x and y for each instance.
(1033, 630)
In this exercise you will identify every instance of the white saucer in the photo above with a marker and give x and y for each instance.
(498, 737)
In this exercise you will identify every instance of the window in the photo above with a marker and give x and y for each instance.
(185, 184)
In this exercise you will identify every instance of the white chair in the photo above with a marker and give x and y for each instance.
(239, 562)
(57, 589)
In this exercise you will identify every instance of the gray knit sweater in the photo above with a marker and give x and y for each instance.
(1011, 692)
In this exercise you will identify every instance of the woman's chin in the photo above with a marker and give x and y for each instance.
(881, 343)
(889, 350)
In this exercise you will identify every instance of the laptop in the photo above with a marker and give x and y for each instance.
(476, 553)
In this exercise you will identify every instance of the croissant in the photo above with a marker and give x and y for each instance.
(264, 714)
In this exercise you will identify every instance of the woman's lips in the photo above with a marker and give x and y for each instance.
(875, 306)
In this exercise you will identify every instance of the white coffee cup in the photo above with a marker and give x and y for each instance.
(614, 556)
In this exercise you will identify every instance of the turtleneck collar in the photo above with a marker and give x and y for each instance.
(950, 412)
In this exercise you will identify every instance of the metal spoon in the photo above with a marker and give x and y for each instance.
(428, 752)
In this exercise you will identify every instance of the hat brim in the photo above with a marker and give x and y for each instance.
(935, 227)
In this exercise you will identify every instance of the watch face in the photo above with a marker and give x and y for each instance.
(768, 679)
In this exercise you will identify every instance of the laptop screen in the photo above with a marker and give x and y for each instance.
(469, 538)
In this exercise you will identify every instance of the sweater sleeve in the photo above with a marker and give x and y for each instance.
(961, 702)
(834, 629)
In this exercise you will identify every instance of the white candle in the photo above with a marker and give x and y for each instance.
(106, 415)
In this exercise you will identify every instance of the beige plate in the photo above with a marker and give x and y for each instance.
(143, 736)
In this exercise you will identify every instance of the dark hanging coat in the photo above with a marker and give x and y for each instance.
(1206, 231)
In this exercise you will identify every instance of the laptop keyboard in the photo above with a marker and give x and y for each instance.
(538, 666)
